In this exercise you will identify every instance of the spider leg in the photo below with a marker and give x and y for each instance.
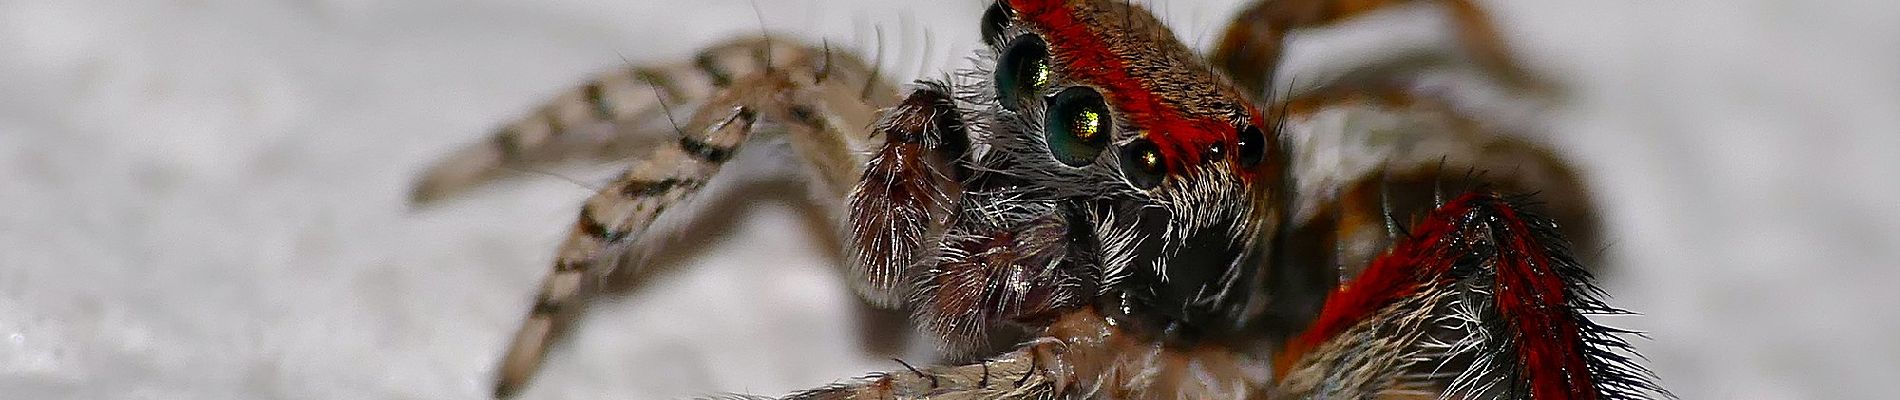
(1364, 155)
(621, 212)
(1481, 300)
(1251, 49)
(1080, 354)
(602, 119)
(620, 113)
(806, 96)
(1021, 374)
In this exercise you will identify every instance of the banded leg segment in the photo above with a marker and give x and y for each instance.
(1251, 48)
(808, 95)
(619, 213)
(622, 112)
(609, 117)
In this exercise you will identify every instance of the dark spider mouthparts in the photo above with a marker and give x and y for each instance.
(1153, 224)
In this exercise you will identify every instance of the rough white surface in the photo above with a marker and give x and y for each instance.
(204, 199)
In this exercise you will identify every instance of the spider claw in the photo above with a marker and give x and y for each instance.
(920, 373)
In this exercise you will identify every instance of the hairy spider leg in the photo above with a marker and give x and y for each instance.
(809, 97)
(1479, 299)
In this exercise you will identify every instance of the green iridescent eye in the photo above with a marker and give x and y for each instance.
(1022, 71)
(1143, 164)
(1078, 125)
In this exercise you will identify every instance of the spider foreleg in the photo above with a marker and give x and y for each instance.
(621, 112)
(812, 96)
(612, 115)
(618, 214)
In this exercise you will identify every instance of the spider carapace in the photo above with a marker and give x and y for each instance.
(1142, 224)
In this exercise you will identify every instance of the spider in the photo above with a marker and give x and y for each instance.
(1143, 222)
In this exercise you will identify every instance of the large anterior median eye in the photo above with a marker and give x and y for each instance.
(1078, 125)
(1022, 71)
(1143, 164)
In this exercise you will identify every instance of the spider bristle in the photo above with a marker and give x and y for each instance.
(877, 63)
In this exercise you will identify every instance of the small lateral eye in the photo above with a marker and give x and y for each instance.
(1022, 71)
(1143, 164)
(1078, 125)
(995, 21)
(1253, 146)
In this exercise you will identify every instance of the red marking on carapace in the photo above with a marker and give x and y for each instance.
(1088, 58)
(1529, 294)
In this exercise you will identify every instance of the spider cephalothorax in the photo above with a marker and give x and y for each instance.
(1110, 171)
(1141, 225)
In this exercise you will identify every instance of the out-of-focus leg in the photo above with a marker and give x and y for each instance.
(812, 98)
(1253, 46)
(1363, 154)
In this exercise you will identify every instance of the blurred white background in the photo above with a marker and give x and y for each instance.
(205, 199)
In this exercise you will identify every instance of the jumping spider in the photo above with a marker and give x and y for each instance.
(1161, 226)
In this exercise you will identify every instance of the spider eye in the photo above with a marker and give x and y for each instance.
(1022, 71)
(1078, 126)
(1143, 164)
(1253, 146)
(995, 20)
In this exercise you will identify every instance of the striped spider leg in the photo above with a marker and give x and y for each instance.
(745, 91)
(1143, 225)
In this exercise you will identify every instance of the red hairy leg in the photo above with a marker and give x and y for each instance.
(1478, 281)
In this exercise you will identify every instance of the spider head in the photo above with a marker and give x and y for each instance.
(1113, 169)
